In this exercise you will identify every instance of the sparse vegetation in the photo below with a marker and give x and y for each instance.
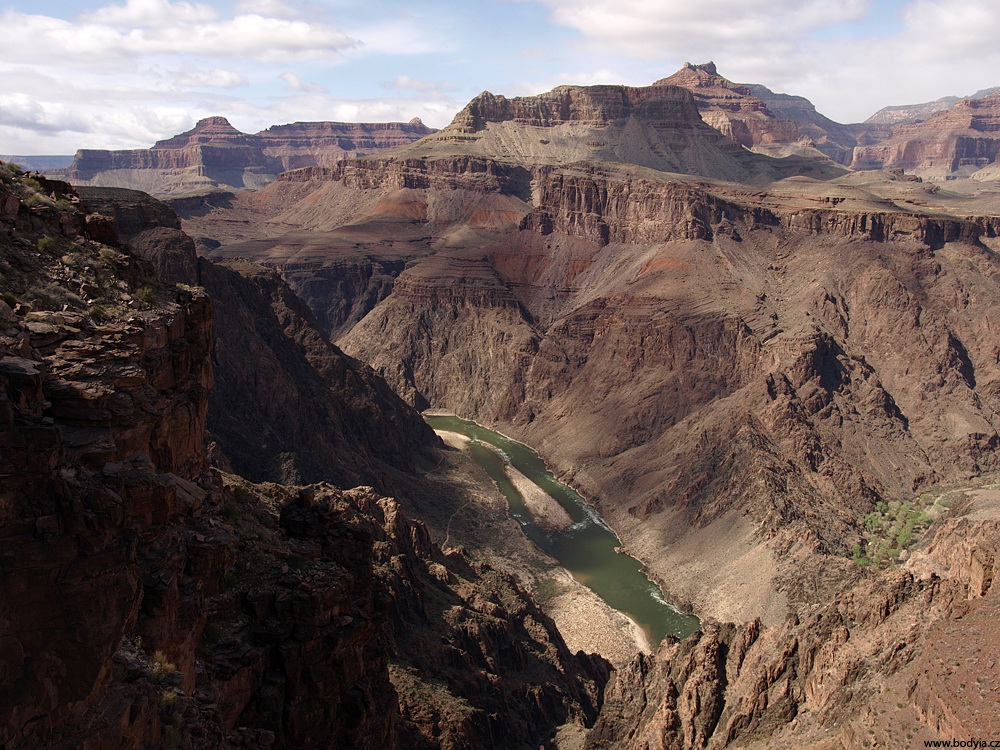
(889, 529)
(161, 667)
(47, 244)
(145, 295)
(47, 295)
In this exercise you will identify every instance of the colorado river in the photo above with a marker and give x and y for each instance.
(585, 547)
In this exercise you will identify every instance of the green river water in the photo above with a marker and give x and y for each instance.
(587, 547)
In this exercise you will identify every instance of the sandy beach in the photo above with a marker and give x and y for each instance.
(547, 513)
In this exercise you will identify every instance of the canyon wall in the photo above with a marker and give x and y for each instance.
(215, 155)
(153, 601)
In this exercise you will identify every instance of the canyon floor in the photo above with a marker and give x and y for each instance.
(484, 524)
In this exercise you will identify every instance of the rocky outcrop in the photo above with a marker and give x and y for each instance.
(587, 204)
(214, 154)
(657, 127)
(319, 415)
(103, 417)
(896, 653)
(958, 141)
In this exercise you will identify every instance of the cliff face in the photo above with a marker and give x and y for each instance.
(318, 414)
(761, 120)
(919, 112)
(214, 154)
(654, 339)
(888, 657)
(958, 141)
(151, 601)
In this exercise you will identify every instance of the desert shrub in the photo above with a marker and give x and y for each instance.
(9, 298)
(47, 244)
(109, 255)
(145, 295)
(97, 313)
(161, 667)
(48, 296)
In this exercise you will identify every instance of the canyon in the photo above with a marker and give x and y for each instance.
(698, 300)
(215, 155)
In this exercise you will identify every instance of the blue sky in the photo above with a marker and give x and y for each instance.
(124, 73)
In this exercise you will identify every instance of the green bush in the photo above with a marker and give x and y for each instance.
(47, 244)
(145, 295)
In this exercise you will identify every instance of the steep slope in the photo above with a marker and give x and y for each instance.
(150, 601)
(900, 658)
(214, 155)
(318, 415)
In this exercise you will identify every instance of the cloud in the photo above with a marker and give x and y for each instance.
(102, 37)
(215, 78)
(579, 78)
(405, 83)
(399, 36)
(272, 8)
(652, 29)
(150, 13)
(295, 84)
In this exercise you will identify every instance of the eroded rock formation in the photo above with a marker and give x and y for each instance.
(214, 154)
(151, 601)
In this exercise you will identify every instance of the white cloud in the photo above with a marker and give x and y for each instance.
(93, 43)
(652, 29)
(150, 13)
(405, 83)
(399, 36)
(215, 78)
(295, 84)
(273, 8)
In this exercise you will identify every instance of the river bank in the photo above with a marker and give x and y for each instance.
(585, 547)
(586, 622)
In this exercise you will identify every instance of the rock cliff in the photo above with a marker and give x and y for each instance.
(153, 601)
(897, 654)
(214, 154)
(761, 120)
(918, 112)
(960, 141)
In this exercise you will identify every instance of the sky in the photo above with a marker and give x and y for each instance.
(85, 74)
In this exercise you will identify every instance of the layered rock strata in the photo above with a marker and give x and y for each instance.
(759, 119)
(961, 141)
(214, 154)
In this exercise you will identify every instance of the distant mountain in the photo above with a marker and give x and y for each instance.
(917, 112)
(961, 141)
(760, 119)
(657, 127)
(214, 154)
(38, 163)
